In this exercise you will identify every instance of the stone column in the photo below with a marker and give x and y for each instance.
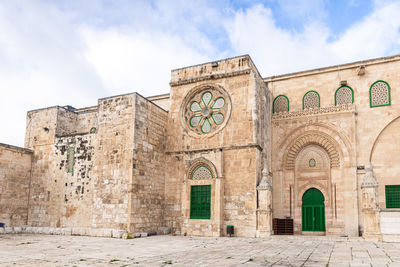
(218, 208)
(370, 207)
(264, 210)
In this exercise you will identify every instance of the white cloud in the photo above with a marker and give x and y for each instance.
(55, 56)
(277, 51)
(273, 49)
(41, 65)
(71, 52)
(137, 61)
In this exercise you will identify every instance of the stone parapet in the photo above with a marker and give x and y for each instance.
(314, 111)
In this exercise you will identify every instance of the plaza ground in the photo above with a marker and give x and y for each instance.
(53, 250)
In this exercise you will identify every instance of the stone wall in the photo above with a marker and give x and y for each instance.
(15, 170)
(73, 179)
(98, 167)
(235, 151)
(148, 165)
(40, 135)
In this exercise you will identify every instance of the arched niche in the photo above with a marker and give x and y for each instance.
(385, 158)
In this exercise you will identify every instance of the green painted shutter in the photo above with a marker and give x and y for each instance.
(313, 211)
(392, 193)
(200, 202)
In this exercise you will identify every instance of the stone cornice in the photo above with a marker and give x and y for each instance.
(233, 147)
(345, 108)
(210, 77)
(17, 148)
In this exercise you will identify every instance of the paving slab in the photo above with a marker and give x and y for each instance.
(167, 250)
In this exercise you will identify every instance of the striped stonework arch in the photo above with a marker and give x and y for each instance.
(201, 169)
(320, 139)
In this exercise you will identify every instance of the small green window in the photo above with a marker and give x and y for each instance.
(379, 94)
(280, 104)
(311, 100)
(344, 95)
(392, 196)
(71, 160)
(312, 163)
(200, 202)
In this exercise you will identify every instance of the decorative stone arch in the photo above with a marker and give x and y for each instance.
(316, 138)
(375, 140)
(318, 186)
(312, 152)
(342, 144)
(196, 163)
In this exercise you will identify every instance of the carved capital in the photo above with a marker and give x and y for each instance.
(265, 183)
(369, 180)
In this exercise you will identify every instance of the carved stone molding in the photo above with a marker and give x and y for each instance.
(314, 111)
(312, 138)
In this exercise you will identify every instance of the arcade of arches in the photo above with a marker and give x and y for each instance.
(226, 148)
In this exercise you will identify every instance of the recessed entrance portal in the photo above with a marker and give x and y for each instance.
(313, 211)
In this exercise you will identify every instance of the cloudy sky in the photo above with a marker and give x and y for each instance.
(74, 52)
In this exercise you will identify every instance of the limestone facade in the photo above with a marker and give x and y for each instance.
(15, 176)
(226, 147)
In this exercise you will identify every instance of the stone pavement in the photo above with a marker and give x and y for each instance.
(54, 250)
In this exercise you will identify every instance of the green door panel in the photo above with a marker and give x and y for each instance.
(313, 211)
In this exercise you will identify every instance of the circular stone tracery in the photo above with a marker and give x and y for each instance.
(206, 110)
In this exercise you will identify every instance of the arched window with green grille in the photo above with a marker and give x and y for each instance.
(311, 99)
(379, 94)
(344, 95)
(280, 104)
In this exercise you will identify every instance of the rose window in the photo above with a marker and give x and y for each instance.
(206, 111)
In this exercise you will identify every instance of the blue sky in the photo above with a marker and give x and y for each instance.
(74, 52)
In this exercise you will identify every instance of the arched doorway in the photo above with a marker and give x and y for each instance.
(313, 211)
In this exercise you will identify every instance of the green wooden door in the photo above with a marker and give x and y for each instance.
(313, 211)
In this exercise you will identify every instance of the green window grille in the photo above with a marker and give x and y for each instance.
(280, 104)
(379, 94)
(71, 160)
(200, 202)
(311, 99)
(344, 95)
(206, 111)
(392, 196)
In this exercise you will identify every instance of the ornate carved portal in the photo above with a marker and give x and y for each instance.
(312, 170)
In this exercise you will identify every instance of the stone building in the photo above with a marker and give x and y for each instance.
(225, 147)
